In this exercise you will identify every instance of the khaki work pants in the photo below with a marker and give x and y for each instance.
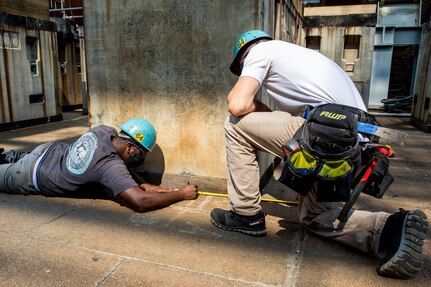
(268, 131)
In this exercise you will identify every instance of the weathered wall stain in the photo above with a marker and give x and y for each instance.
(168, 62)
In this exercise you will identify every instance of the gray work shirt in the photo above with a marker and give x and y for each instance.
(85, 168)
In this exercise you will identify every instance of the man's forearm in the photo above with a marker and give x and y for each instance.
(155, 188)
(137, 199)
(160, 200)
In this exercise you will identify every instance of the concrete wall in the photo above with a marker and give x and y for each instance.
(168, 62)
(27, 95)
(421, 111)
(332, 24)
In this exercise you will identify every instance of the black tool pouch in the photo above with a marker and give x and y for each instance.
(334, 181)
(299, 171)
(330, 137)
(380, 179)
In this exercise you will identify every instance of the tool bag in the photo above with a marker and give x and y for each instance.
(380, 179)
(327, 154)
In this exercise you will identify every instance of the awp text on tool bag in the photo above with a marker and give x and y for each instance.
(327, 153)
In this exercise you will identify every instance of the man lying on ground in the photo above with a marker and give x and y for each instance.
(100, 163)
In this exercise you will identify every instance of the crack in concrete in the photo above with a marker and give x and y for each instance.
(60, 216)
(177, 268)
(111, 272)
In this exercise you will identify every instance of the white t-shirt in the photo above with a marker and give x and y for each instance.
(295, 76)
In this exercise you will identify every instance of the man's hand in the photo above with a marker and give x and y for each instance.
(190, 191)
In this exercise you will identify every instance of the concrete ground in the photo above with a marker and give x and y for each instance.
(83, 242)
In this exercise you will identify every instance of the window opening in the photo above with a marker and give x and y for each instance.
(351, 47)
(32, 54)
(39, 98)
(313, 42)
(62, 57)
(78, 59)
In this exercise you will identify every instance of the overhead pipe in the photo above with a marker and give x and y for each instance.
(65, 9)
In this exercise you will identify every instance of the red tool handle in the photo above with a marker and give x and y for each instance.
(380, 150)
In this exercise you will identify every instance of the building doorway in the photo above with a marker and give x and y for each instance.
(400, 90)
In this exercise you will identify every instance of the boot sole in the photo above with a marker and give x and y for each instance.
(242, 230)
(408, 260)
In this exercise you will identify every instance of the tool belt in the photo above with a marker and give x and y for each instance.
(379, 179)
(327, 152)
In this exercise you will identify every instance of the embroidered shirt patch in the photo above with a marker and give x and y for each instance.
(81, 153)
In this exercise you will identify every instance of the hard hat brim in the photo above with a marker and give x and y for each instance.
(235, 67)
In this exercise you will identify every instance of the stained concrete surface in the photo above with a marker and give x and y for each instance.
(85, 242)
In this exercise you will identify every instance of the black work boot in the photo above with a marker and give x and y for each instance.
(14, 156)
(2, 156)
(229, 220)
(401, 243)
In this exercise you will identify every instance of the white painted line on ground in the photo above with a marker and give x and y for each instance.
(204, 202)
(294, 264)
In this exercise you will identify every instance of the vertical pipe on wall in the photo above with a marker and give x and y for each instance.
(420, 13)
(56, 72)
(378, 13)
(414, 69)
(266, 17)
(2, 107)
(8, 88)
(42, 74)
(280, 19)
(83, 72)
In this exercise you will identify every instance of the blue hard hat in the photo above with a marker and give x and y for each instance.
(141, 131)
(241, 44)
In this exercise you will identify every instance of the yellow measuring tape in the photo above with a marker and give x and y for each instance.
(262, 199)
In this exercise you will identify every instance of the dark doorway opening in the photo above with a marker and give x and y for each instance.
(400, 98)
(401, 71)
